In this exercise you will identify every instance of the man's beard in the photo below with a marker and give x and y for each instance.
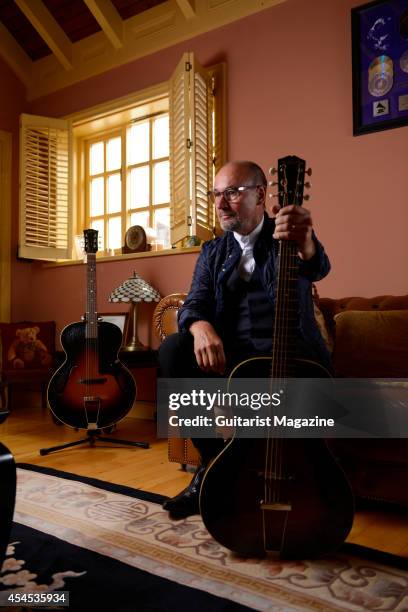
(232, 224)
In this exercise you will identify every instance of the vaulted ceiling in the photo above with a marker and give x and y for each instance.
(53, 43)
(77, 18)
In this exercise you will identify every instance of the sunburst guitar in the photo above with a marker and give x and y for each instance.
(92, 389)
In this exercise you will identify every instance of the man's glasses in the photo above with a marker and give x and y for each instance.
(230, 193)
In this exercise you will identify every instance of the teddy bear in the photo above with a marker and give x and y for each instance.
(27, 351)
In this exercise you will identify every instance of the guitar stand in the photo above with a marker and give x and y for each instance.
(92, 436)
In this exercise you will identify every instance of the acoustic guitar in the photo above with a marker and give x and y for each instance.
(7, 492)
(284, 497)
(92, 389)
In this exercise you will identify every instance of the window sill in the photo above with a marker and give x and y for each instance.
(121, 257)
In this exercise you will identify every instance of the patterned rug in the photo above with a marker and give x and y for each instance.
(114, 548)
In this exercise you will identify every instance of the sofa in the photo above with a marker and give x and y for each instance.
(368, 337)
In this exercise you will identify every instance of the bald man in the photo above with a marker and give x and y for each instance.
(228, 313)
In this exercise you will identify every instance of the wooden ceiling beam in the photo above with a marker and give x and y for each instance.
(151, 31)
(49, 30)
(109, 19)
(187, 8)
(14, 56)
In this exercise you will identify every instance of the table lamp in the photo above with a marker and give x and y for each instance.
(134, 290)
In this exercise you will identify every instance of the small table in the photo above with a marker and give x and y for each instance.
(139, 359)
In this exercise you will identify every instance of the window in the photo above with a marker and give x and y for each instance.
(147, 160)
(127, 181)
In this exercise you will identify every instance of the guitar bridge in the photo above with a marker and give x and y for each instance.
(273, 476)
(276, 506)
(92, 381)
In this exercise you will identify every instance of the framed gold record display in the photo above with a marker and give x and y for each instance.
(135, 240)
(380, 65)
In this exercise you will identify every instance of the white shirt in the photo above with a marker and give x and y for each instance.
(246, 264)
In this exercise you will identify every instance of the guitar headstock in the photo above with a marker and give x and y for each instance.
(90, 240)
(291, 180)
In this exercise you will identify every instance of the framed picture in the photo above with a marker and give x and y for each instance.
(380, 65)
(118, 318)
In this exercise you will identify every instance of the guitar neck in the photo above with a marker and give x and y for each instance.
(91, 330)
(291, 173)
(286, 311)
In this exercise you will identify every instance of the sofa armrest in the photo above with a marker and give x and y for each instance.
(165, 314)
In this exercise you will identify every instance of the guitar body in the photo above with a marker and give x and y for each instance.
(7, 496)
(313, 504)
(92, 389)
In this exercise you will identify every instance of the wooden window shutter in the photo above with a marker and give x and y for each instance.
(218, 85)
(191, 146)
(202, 152)
(179, 151)
(45, 188)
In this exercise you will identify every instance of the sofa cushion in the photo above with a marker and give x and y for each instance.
(371, 344)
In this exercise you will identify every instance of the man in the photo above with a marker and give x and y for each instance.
(228, 313)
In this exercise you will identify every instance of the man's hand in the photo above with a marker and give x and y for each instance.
(295, 223)
(208, 347)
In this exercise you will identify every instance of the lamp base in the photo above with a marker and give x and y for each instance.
(134, 346)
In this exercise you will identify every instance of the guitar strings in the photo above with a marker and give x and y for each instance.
(283, 342)
(88, 335)
(272, 445)
(289, 318)
(94, 329)
(269, 455)
(281, 314)
(96, 336)
(91, 335)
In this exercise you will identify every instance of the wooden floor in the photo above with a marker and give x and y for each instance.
(29, 429)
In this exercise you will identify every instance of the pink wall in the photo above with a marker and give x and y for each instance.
(12, 103)
(289, 91)
(58, 293)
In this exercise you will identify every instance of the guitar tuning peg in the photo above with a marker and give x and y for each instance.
(308, 185)
(306, 197)
(309, 171)
(272, 183)
(272, 171)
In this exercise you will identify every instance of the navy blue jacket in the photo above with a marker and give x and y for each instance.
(219, 257)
